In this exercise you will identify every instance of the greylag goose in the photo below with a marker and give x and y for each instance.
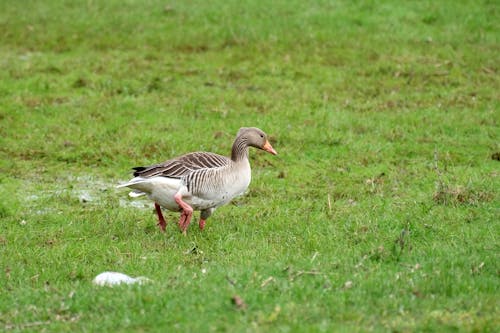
(199, 181)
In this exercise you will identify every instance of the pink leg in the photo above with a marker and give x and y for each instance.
(161, 221)
(187, 212)
(202, 223)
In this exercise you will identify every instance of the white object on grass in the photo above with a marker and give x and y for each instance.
(115, 278)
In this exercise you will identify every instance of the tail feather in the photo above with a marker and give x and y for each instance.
(142, 185)
(138, 170)
(133, 181)
(136, 193)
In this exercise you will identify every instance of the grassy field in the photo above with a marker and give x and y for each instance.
(380, 213)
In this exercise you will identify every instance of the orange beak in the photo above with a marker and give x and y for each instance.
(267, 147)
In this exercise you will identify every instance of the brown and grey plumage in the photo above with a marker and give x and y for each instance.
(199, 181)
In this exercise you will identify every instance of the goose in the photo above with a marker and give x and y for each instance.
(200, 181)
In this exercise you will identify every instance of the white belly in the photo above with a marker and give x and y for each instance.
(159, 189)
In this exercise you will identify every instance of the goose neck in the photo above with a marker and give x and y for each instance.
(239, 151)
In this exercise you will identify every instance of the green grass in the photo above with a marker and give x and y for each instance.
(380, 213)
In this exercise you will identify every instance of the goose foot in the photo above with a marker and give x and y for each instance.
(202, 224)
(184, 221)
(187, 213)
(161, 220)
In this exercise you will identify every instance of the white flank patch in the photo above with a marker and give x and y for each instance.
(115, 278)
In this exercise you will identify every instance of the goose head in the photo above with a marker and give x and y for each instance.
(255, 137)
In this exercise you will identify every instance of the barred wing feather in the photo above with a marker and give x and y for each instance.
(183, 165)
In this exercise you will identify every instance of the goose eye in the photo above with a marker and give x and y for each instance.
(262, 135)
